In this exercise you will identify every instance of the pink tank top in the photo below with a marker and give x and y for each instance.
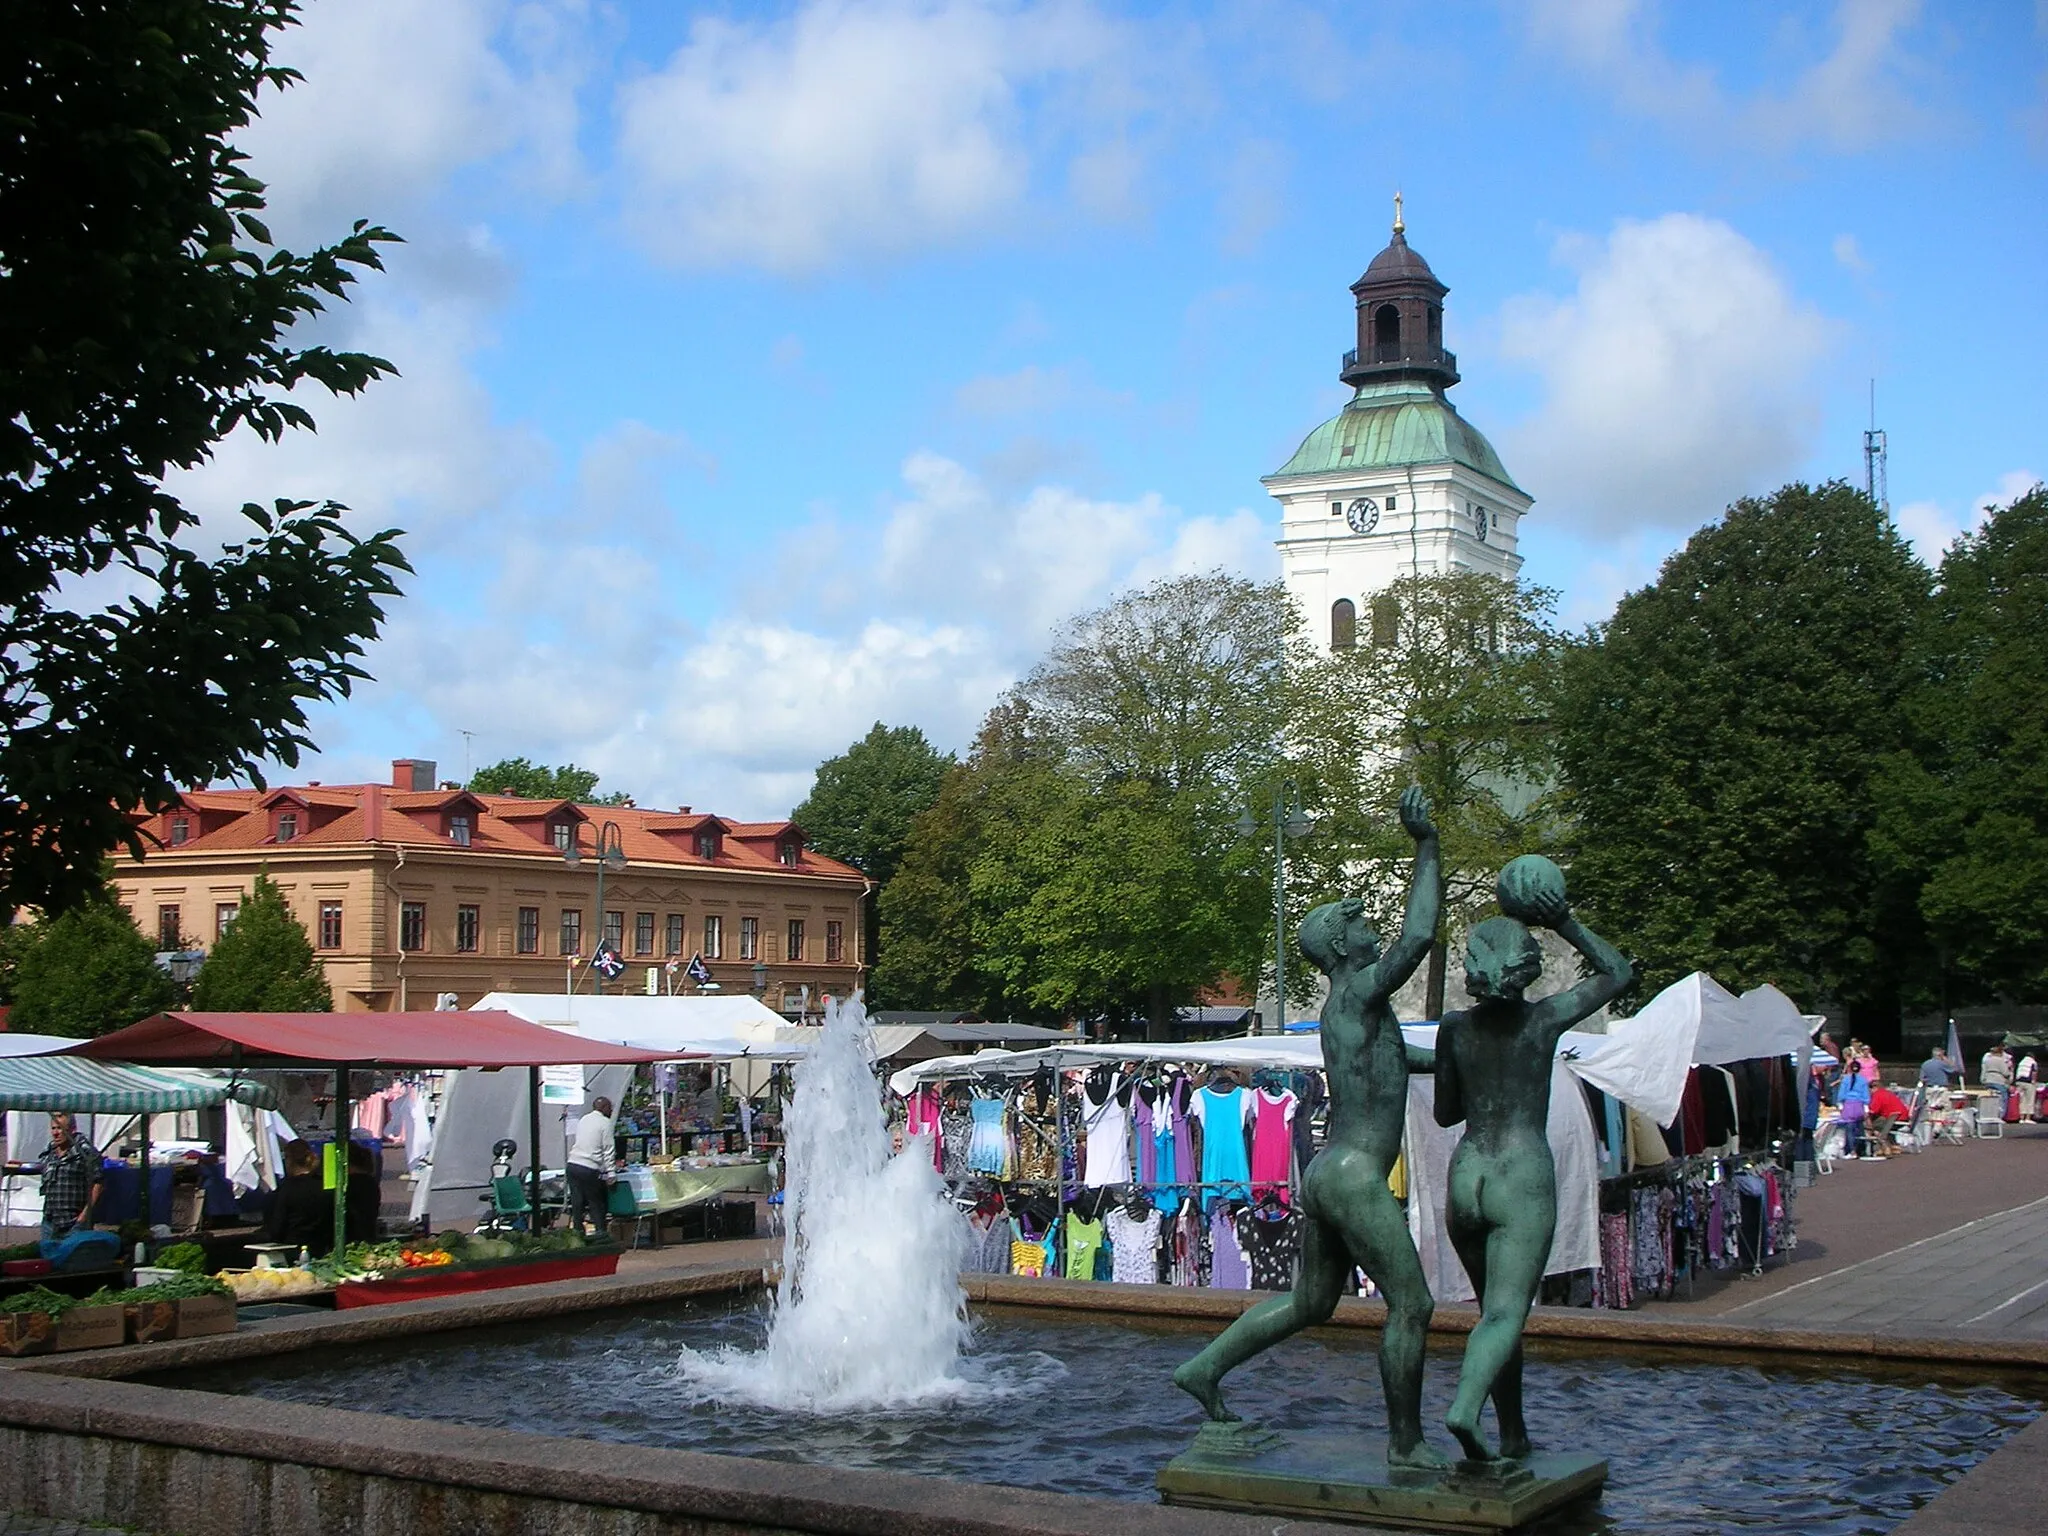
(1272, 1143)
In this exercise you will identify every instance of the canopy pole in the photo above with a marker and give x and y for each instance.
(341, 1086)
(533, 1149)
(143, 1196)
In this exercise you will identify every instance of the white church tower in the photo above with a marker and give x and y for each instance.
(1398, 483)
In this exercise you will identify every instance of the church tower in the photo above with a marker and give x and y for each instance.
(1397, 483)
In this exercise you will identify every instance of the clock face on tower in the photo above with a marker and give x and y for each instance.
(1363, 515)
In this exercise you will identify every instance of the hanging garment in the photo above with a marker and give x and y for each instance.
(241, 1160)
(1084, 1247)
(956, 1134)
(1272, 1143)
(989, 1152)
(1027, 1254)
(1309, 1093)
(1187, 1170)
(1133, 1246)
(1190, 1262)
(988, 1244)
(1142, 1139)
(1038, 1137)
(1229, 1269)
(1226, 1167)
(1616, 1285)
(1109, 1142)
(922, 1108)
(1271, 1240)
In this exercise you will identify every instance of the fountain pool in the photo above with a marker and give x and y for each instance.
(1050, 1401)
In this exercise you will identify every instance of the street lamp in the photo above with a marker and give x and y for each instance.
(611, 854)
(1289, 820)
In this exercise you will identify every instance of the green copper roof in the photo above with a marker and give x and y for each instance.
(1395, 423)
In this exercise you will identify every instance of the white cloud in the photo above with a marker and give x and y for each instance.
(1858, 94)
(1674, 379)
(851, 129)
(1850, 254)
(1932, 526)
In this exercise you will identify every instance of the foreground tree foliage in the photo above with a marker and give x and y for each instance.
(264, 963)
(1453, 687)
(1963, 810)
(531, 781)
(1719, 739)
(84, 972)
(145, 313)
(862, 804)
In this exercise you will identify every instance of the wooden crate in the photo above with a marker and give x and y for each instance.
(92, 1327)
(150, 1322)
(27, 1333)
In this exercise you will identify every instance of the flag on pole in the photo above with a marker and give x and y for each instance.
(608, 963)
(700, 973)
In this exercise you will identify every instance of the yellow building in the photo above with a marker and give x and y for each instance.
(409, 891)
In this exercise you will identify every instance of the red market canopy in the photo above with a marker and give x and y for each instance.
(476, 1039)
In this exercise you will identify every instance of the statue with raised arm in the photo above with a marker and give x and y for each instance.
(1493, 1064)
(1353, 1217)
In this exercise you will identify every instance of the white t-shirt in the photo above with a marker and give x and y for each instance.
(593, 1143)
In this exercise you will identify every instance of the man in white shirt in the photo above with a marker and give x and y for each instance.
(590, 1166)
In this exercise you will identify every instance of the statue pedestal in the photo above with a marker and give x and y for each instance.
(1346, 1478)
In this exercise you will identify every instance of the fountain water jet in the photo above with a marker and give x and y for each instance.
(869, 1313)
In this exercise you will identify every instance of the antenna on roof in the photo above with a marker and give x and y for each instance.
(1875, 480)
(467, 737)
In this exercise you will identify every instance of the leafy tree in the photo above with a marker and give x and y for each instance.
(1963, 809)
(264, 963)
(86, 971)
(145, 313)
(1453, 688)
(1719, 740)
(531, 781)
(862, 804)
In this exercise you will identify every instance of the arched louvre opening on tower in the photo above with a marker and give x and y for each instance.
(1386, 621)
(1343, 624)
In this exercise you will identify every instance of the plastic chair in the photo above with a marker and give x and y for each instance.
(510, 1209)
(1990, 1125)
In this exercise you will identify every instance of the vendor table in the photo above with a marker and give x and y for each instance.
(657, 1191)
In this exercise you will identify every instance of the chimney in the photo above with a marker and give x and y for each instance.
(373, 813)
(412, 773)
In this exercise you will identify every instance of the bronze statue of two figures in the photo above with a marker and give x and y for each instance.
(1492, 1064)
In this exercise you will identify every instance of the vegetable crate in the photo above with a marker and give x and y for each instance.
(189, 1317)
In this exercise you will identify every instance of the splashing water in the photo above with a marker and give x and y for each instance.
(870, 1313)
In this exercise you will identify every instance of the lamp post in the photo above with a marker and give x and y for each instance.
(1289, 820)
(611, 854)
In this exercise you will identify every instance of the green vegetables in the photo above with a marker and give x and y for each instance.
(189, 1257)
(184, 1288)
(21, 1251)
(39, 1299)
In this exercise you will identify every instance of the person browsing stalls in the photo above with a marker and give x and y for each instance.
(590, 1164)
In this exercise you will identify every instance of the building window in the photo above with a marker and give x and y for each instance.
(224, 916)
(169, 931)
(1386, 331)
(1336, 509)
(1343, 624)
(181, 831)
(330, 925)
(287, 826)
(458, 831)
(750, 938)
(714, 938)
(672, 937)
(412, 925)
(707, 845)
(835, 942)
(529, 930)
(1393, 502)
(615, 931)
(643, 933)
(1386, 620)
(468, 924)
(789, 851)
(572, 931)
(796, 938)
(562, 834)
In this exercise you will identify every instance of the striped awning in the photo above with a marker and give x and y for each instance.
(73, 1083)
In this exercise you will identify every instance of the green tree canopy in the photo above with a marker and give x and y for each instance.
(1719, 738)
(145, 313)
(863, 801)
(1452, 687)
(84, 972)
(264, 963)
(1963, 810)
(531, 781)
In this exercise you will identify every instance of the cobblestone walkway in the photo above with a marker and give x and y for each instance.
(36, 1525)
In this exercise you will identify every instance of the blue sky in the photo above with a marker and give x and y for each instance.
(770, 370)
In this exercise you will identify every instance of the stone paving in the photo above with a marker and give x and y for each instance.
(36, 1525)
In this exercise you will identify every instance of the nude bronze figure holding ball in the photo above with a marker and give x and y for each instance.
(1493, 1064)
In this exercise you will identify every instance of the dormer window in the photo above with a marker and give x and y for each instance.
(790, 851)
(458, 831)
(287, 826)
(562, 834)
(707, 845)
(181, 831)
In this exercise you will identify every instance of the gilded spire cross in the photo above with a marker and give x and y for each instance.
(1399, 227)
